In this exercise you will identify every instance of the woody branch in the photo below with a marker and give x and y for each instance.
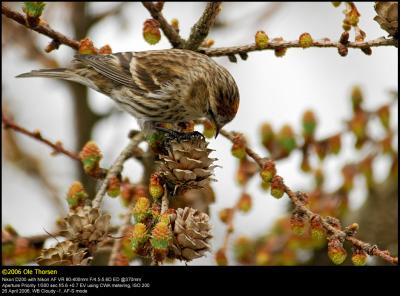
(116, 249)
(200, 30)
(325, 43)
(41, 28)
(203, 25)
(57, 146)
(372, 250)
(117, 167)
(172, 35)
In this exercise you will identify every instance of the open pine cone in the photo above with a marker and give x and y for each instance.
(387, 17)
(187, 165)
(192, 233)
(86, 226)
(62, 254)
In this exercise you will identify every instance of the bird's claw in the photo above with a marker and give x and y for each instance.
(195, 135)
(171, 135)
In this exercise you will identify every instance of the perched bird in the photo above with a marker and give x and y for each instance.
(157, 86)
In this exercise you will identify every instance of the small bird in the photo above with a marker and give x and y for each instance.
(157, 86)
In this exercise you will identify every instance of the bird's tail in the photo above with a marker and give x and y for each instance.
(60, 73)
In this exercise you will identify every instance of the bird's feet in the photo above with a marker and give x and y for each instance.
(171, 135)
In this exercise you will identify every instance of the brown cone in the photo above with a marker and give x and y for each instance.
(62, 254)
(86, 226)
(192, 233)
(187, 165)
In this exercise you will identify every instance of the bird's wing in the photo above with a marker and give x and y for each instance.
(111, 66)
(158, 67)
(146, 72)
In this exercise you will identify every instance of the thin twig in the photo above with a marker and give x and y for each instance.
(116, 249)
(41, 238)
(117, 9)
(229, 227)
(177, 42)
(251, 153)
(226, 51)
(42, 28)
(58, 147)
(164, 201)
(268, 13)
(53, 191)
(14, 34)
(172, 35)
(200, 30)
(117, 167)
(368, 248)
(32, 166)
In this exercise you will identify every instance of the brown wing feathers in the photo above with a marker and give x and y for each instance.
(109, 67)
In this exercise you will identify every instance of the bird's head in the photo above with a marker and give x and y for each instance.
(224, 104)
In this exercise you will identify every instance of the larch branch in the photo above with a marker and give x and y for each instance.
(172, 35)
(117, 246)
(117, 9)
(226, 51)
(42, 28)
(41, 238)
(117, 167)
(58, 147)
(372, 250)
(164, 201)
(200, 30)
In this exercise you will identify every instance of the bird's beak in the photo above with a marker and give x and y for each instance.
(217, 128)
(214, 121)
